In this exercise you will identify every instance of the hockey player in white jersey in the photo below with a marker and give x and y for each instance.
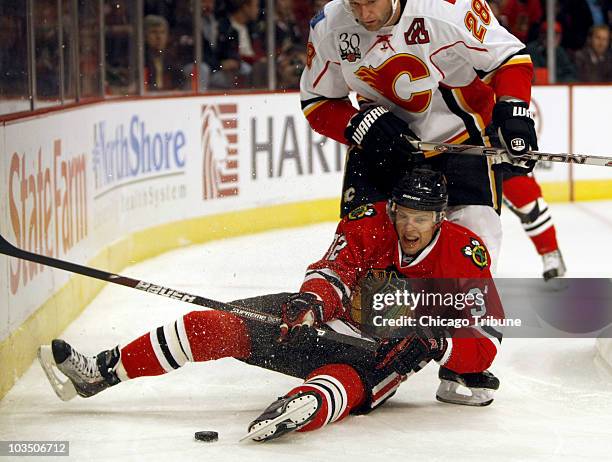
(439, 70)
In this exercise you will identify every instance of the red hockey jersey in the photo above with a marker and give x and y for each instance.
(366, 240)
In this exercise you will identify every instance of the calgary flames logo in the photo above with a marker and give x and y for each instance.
(394, 78)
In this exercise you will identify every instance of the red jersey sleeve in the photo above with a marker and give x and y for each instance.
(514, 78)
(473, 348)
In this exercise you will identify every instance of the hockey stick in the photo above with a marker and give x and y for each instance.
(7, 248)
(581, 159)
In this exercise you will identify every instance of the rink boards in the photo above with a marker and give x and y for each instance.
(118, 182)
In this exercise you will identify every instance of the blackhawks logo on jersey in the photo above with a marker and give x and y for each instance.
(366, 210)
(366, 300)
(477, 253)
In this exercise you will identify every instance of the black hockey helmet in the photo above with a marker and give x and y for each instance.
(421, 189)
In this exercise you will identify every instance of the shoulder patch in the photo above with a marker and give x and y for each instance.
(317, 18)
(477, 253)
(363, 211)
(310, 54)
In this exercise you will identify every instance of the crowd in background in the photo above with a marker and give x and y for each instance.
(582, 36)
(234, 51)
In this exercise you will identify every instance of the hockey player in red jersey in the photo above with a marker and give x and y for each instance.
(523, 196)
(435, 70)
(407, 235)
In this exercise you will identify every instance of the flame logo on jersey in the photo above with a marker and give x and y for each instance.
(393, 79)
(310, 54)
(477, 253)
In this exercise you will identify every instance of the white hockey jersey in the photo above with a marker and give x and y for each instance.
(439, 68)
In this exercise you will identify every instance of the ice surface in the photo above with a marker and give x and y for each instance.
(554, 402)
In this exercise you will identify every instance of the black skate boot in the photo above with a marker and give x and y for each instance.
(481, 385)
(284, 415)
(87, 376)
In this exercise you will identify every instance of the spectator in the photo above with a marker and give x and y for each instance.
(522, 18)
(163, 8)
(120, 48)
(290, 65)
(13, 55)
(288, 34)
(221, 62)
(46, 51)
(565, 70)
(594, 61)
(303, 12)
(576, 19)
(239, 32)
(161, 71)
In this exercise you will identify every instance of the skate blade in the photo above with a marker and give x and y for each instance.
(447, 393)
(262, 430)
(63, 389)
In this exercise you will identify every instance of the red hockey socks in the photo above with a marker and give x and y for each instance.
(197, 336)
(545, 241)
(340, 389)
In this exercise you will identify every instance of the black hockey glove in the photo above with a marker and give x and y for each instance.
(412, 353)
(379, 131)
(515, 127)
(300, 312)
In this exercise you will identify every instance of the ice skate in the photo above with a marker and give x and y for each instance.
(554, 266)
(87, 376)
(481, 387)
(284, 415)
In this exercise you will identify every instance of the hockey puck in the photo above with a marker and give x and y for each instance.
(206, 436)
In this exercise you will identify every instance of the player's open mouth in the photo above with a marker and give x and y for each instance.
(411, 241)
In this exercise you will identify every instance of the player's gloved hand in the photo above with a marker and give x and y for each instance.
(412, 353)
(515, 127)
(301, 311)
(377, 130)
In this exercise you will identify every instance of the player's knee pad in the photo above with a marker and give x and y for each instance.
(530, 212)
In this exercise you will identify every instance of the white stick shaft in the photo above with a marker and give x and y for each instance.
(581, 159)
